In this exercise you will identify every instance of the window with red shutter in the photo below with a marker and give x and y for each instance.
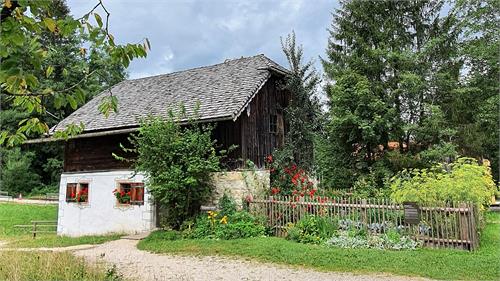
(77, 192)
(130, 193)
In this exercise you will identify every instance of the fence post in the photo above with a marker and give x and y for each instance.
(464, 223)
(364, 216)
(34, 230)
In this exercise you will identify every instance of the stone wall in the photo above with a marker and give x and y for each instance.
(239, 184)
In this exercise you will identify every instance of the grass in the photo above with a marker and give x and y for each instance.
(12, 214)
(446, 264)
(16, 266)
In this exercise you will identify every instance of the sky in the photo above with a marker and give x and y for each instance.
(191, 33)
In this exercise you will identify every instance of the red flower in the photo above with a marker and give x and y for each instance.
(294, 167)
(311, 193)
(294, 192)
(302, 194)
(122, 193)
(72, 194)
(275, 190)
(272, 170)
(269, 159)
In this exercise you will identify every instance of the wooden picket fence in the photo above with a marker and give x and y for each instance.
(450, 225)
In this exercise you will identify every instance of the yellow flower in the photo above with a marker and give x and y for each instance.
(223, 220)
(212, 215)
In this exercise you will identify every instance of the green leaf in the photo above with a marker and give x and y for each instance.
(65, 72)
(49, 71)
(72, 101)
(3, 137)
(98, 19)
(50, 24)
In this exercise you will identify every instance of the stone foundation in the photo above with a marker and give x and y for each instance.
(239, 184)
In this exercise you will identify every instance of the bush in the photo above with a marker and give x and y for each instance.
(227, 206)
(312, 229)
(178, 161)
(462, 181)
(238, 224)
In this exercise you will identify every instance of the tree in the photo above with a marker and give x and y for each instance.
(16, 175)
(178, 161)
(67, 67)
(303, 110)
(23, 53)
(399, 56)
(475, 103)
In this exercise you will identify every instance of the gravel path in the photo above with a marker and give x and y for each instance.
(142, 265)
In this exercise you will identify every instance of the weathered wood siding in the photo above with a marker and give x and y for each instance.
(250, 133)
(257, 139)
(95, 154)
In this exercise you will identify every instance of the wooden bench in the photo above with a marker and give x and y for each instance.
(40, 227)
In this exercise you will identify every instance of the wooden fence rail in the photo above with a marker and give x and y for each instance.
(453, 225)
(40, 227)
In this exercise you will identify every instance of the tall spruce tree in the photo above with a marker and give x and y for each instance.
(304, 109)
(475, 104)
(390, 69)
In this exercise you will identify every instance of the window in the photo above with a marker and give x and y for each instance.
(77, 192)
(273, 123)
(130, 193)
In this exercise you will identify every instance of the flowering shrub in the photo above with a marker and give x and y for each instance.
(122, 196)
(463, 180)
(289, 179)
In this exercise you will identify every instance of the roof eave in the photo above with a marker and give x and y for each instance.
(105, 132)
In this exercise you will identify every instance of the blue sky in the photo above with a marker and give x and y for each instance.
(191, 33)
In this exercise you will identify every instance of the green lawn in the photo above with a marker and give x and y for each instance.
(483, 264)
(22, 214)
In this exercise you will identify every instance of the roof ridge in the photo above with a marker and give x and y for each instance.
(196, 68)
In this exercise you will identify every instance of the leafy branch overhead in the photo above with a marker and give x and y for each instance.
(25, 75)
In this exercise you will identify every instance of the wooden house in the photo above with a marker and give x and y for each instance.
(243, 97)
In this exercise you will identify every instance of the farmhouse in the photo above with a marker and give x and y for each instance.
(242, 97)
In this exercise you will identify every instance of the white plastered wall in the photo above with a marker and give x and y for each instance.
(102, 215)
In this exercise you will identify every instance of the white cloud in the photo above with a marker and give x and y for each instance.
(186, 34)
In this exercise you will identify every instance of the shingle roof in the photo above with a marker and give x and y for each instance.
(221, 91)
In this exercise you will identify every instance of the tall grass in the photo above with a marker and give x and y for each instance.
(17, 266)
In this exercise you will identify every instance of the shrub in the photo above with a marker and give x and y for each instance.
(312, 229)
(178, 161)
(463, 180)
(238, 224)
(227, 206)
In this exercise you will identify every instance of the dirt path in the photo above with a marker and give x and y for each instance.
(142, 265)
